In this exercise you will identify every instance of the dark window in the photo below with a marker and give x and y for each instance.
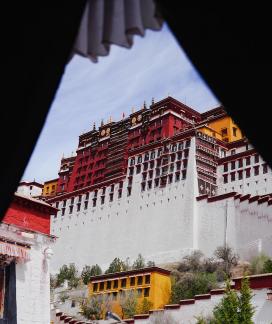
(108, 284)
(112, 187)
(188, 143)
(70, 209)
(94, 202)
(247, 173)
(132, 281)
(180, 146)
(174, 148)
(224, 132)
(132, 161)
(95, 193)
(232, 176)
(129, 191)
(73, 303)
(147, 279)
(170, 178)
(57, 204)
(79, 198)
(149, 184)
(139, 292)
(177, 176)
(140, 280)
(146, 158)
(156, 182)
(256, 170)
(240, 174)
(173, 157)
(87, 196)
(225, 178)
(120, 184)
(64, 203)
(232, 165)
(145, 166)
(232, 152)
(111, 196)
(120, 193)
(95, 286)
(123, 283)
(138, 169)
(115, 284)
(240, 163)
(131, 170)
(62, 211)
(114, 295)
(104, 191)
(234, 130)
(143, 186)
(179, 156)
(139, 159)
(78, 207)
(158, 172)
(146, 292)
(248, 160)
(225, 167)
(256, 158)
(102, 200)
(183, 174)
(265, 169)
(85, 204)
(152, 155)
(151, 164)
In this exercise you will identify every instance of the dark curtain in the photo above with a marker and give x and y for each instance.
(229, 46)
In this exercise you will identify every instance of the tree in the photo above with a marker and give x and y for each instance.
(227, 310)
(267, 268)
(145, 306)
(190, 284)
(227, 257)
(139, 262)
(128, 303)
(116, 265)
(92, 308)
(88, 272)
(191, 262)
(246, 310)
(150, 264)
(69, 273)
(257, 263)
(235, 307)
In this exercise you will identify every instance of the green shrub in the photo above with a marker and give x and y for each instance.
(191, 284)
(257, 263)
(267, 268)
(88, 272)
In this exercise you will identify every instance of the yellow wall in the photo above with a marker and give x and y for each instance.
(159, 291)
(223, 123)
(50, 188)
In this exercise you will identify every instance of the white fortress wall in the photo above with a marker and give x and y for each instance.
(157, 222)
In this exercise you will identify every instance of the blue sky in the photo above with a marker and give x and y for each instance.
(154, 67)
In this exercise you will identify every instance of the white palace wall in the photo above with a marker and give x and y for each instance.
(163, 224)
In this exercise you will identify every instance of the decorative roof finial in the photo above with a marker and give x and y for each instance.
(94, 126)
(102, 122)
(144, 105)
(153, 101)
(123, 115)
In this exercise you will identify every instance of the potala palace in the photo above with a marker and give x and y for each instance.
(161, 182)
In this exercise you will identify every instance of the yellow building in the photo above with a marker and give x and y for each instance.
(50, 188)
(219, 125)
(152, 283)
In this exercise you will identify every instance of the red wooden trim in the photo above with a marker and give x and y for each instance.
(264, 199)
(245, 197)
(202, 197)
(223, 196)
(129, 273)
(141, 316)
(252, 199)
(202, 296)
(255, 281)
(217, 291)
(187, 301)
(172, 306)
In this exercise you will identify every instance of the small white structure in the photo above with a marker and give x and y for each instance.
(33, 188)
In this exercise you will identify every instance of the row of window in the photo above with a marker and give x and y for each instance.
(163, 180)
(238, 175)
(240, 162)
(121, 283)
(141, 292)
(152, 155)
